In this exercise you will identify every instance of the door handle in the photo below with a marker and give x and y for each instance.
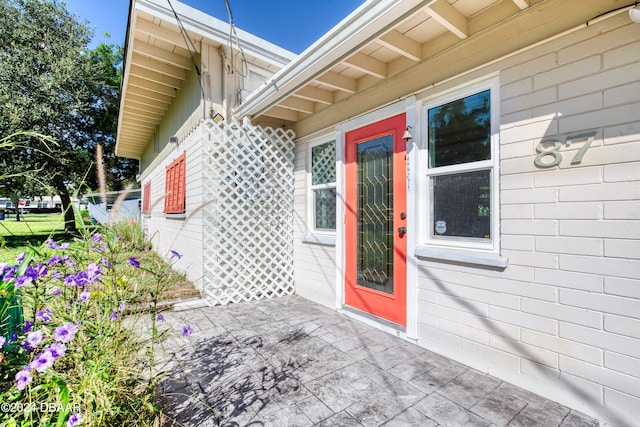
(402, 230)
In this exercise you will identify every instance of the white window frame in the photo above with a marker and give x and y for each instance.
(311, 211)
(453, 248)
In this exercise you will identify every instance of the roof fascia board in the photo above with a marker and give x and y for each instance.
(128, 51)
(214, 29)
(363, 25)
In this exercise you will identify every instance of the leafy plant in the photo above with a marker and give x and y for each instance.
(76, 354)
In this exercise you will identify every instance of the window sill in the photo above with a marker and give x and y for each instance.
(463, 257)
(175, 216)
(318, 239)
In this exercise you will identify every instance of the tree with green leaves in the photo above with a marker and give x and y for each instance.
(52, 84)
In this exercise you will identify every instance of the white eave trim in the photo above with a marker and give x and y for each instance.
(369, 21)
(128, 51)
(214, 29)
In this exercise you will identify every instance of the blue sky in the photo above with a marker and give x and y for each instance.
(291, 24)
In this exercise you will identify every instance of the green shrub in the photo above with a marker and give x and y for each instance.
(132, 235)
(78, 356)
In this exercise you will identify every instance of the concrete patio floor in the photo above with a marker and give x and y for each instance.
(289, 362)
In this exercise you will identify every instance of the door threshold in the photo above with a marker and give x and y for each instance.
(376, 322)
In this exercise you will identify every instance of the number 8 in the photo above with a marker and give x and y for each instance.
(544, 150)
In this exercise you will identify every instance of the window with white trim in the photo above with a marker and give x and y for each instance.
(461, 169)
(323, 187)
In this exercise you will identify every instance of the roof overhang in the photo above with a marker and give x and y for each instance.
(158, 58)
(407, 45)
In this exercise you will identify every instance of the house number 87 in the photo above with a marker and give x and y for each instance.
(545, 149)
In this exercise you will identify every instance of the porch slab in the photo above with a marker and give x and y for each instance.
(290, 362)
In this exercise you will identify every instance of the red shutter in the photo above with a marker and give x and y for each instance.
(181, 184)
(175, 186)
(146, 199)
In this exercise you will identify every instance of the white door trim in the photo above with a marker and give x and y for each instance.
(407, 106)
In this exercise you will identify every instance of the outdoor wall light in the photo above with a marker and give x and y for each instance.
(216, 117)
(634, 14)
(173, 140)
(407, 135)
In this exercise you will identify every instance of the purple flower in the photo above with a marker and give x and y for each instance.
(134, 262)
(51, 244)
(10, 273)
(70, 280)
(175, 254)
(28, 325)
(105, 261)
(82, 279)
(84, 295)
(186, 330)
(96, 238)
(101, 249)
(93, 271)
(42, 361)
(42, 270)
(44, 315)
(122, 307)
(64, 246)
(3, 341)
(23, 280)
(74, 420)
(33, 339)
(23, 378)
(3, 267)
(160, 317)
(20, 257)
(57, 349)
(54, 260)
(68, 261)
(65, 333)
(113, 316)
(56, 292)
(31, 272)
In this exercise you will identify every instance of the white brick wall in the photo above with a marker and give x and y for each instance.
(568, 326)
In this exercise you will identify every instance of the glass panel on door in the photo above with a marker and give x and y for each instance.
(375, 214)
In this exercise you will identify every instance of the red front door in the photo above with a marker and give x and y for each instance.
(375, 220)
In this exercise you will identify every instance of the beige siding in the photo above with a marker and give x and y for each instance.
(314, 264)
(562, 319)
(549, 322)
(180, 120)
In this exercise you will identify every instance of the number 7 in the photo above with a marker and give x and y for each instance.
(590, 136)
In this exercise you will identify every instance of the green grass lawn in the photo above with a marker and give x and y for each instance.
(32, 229)
(32, 224)
(35, 229)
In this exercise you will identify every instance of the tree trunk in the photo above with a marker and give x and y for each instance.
(65, 198)
(15, 200)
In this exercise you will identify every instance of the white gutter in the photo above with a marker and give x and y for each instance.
(369, 21)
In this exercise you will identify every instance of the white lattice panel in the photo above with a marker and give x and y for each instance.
(248, 212)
